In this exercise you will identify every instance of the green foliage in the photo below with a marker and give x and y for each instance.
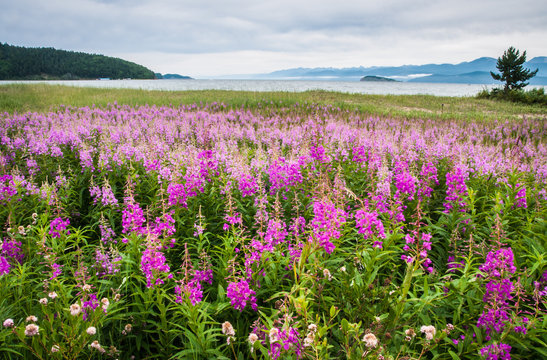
(355, 291)
(45, 97)
(18, 62)
(532, 96)
(512, 72)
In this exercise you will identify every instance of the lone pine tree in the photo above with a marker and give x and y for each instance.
(512, 71)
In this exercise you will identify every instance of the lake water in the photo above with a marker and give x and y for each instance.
(354, 87)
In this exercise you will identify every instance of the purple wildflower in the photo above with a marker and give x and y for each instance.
(456, 190)
(240, 294)
(496, 352)
(58, 225)
(326, 224)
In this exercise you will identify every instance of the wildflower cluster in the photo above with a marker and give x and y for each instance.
(317, 231)
(498, 267)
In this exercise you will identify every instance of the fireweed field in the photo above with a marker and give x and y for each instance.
(273, 232)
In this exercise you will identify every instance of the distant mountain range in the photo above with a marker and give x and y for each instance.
(472, 72)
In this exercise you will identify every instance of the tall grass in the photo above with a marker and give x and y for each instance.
(45, 97)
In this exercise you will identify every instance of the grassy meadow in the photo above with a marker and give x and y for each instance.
(43, 97)
(243, 225)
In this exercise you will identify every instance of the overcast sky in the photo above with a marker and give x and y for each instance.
(203, 38)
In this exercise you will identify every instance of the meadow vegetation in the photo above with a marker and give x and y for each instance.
(44, 97)
(237, 225)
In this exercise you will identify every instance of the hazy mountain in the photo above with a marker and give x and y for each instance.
(472, 72)
(475, 77)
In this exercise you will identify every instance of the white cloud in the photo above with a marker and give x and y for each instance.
(250, 36)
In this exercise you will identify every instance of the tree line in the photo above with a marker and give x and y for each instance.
(21, 63)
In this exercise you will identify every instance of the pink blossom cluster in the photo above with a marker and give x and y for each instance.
(284, 342)
(416, 248)
(326, 224)
(103, 195)
(498, 299)
(154, 265)
(368, 224)
(456, 191)
(57, 226)
(240, 294)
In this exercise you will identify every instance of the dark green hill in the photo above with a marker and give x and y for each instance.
(21, 63)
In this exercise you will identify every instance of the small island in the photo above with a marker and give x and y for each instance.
(172, 76)
(377, 79)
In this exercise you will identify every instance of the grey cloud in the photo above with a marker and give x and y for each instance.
(173, 26)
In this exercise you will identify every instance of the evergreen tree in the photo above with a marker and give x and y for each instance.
(511, 69)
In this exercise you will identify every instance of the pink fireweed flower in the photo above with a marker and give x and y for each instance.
(326, 224)
(58, 225)
(56, 270)
(405, 183)
(317, 153)
(498, 298)
(103, 195)
(416, 248)
(240, 294)
(192, 289)
(369, 225)
(247, 185)
(275, 235)
(107, 262)
(456, 190)
(520, 197)
(428, 176)
(4, 266)
(499, 263)
(285, 342)
(10, 249)
(179, 193)
(232, 220)
(153, 264)
(132, 218)
(32, 166)
(284, 175)
(107, 234)
(496, 352)
(164, 225)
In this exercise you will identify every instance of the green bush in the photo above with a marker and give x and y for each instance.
(532, 96)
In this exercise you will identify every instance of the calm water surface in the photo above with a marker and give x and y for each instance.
(354, 87)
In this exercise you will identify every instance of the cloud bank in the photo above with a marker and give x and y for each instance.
(250, 36)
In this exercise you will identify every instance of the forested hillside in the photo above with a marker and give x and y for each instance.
(18, 62)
